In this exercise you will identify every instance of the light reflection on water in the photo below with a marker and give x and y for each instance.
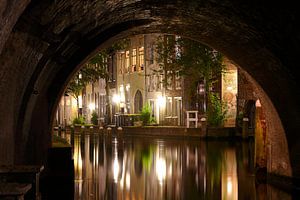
(143, 168)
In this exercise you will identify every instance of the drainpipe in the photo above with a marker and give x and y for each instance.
(145, 69)
(245, 127)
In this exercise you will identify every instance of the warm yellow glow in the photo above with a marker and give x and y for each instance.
(77, 159)
(229, 176)
(229, 88)
(116, 98)
(92, 106)
(73, 102)
(80, 101)
(121, 88)
(161, 169)
(161, 101)
(170, 170)
(127, 87)
(257, 103)
(122, 94)
(229, 93)
(116, 169)
(229, 186)
(122, 98)
(127, 181)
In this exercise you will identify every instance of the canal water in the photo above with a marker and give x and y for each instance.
(147, 168)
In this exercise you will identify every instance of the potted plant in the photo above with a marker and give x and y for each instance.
(94, 118)
(146, 115)
(216, 111)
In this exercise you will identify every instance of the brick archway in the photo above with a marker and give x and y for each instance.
(43, 46)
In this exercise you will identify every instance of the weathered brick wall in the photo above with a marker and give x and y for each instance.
(10, 10)
(245, 90)
(9, 14)
(278, 157)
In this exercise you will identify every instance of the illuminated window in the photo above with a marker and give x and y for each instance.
(169, 106)
(141, 58)
(178, 81)
(133, 60)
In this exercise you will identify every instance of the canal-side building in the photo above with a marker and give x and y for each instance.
(136, 79)
(95, 96)
(130, 93)
(140, 82)
(66, 111)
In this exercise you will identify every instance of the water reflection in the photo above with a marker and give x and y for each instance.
(132, 168)
(229, 175)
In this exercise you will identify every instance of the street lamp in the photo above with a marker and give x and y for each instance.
(116, 98)
(161, 101)
(92, 106)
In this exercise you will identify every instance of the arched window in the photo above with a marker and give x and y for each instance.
(138, 102)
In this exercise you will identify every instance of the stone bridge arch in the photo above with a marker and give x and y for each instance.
(42, 43)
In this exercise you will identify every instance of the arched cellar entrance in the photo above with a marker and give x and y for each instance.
(138, 102)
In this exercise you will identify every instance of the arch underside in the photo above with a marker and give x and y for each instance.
(51, 40)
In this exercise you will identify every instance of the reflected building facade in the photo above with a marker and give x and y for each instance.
(131, 168)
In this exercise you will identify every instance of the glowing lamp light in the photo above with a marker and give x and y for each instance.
(127, 87)
(80, 101)
(122, 98)
(121, 88)
(229, 88)
(92, 106)
(116, 98)
(229, 185)
(127, 181)
(116, 169)
(257, 103)
(161, 100)
(161, 169)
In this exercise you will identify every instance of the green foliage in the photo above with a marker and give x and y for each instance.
(199, 60)
(147, 157)
(214, 168)
(146, 114)
(93, 70)
(75, 86)
(58, 141)
(94, 118)
(188, 58)
(135, 117)
(78, 120)
(119, 45)
(153, 120)
(216, 111)
(166, 57)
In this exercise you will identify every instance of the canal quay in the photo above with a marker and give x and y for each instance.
(147, 99)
